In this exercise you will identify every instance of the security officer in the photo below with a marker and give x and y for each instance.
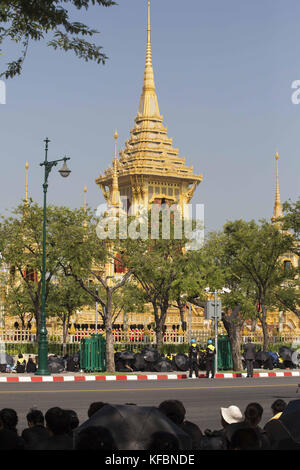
(210, 359)
(193, 358)
(249, 355)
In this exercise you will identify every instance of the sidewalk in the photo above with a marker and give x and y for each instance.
(84, 377)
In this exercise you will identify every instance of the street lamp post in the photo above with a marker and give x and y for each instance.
(216, 329)
(43, 342)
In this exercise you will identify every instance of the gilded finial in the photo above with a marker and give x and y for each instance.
(115, 195)
(148, 103)
(277, 211)
(84, 205)
(26, 184)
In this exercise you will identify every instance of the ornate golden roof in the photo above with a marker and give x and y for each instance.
(149, 150)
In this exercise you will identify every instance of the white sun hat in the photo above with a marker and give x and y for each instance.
(232, 414)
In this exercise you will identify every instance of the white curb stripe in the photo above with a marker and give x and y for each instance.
(140, 377)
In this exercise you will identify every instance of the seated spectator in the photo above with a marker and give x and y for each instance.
(21, 364)
(277, 408)
(194, 432)
(94, 407)
(73, 420)
(58, 424)
(9, 419)
(253, 415)
(9, 440)
(36, 431)
(245, 439)
(163, 441)
(273, 428)
(95, 438)
(30, 366)
(174, 410)
(218, 439)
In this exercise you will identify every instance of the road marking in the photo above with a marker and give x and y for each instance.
(3, 392)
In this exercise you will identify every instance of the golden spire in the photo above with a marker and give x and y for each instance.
(277, 211)
(148, 102)
(85, 191)
(115, 194)
(26, 184)
(84, 205)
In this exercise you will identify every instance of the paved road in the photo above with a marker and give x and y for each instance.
(202, 398)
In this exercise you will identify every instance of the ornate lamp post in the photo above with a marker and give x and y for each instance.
(43, 343)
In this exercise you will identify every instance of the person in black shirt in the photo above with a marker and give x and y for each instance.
(36, 432)
(210, 359)
(193, 359)
(249, 355)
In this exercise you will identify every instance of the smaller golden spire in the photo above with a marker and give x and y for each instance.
(277, 211)
(84, 204)
(115, 194)
(85, 191)
(26, 184)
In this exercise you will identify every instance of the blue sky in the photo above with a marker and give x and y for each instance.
(223, 73)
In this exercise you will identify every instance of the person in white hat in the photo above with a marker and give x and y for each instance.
(231, 415)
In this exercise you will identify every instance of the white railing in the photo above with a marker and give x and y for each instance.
(132, 336)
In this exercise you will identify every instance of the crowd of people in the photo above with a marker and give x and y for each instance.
(60, 429)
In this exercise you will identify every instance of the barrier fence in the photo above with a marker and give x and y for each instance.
(130, 338)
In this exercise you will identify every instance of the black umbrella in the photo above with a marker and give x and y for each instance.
(139, 362)
(290, 419)
(55, 364)
(285, 353)
(151, 355)
(131, 426)
(261, 356)
(181, 361)
(127, 356)
(6, 359)
(163, 365)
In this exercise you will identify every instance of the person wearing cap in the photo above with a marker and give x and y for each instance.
(210, 359)
(193, 359)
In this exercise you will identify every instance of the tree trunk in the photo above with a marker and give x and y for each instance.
(233, 327)
(235, 344)
(110, 357)
(264, 325)
(182, 312)
(65, 322)
(159, 337)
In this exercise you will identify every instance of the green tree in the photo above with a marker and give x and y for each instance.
(18, 302)
(156, 264)
(288, 294)
(21, 248)
(256, 250)
(24, 21)
(86, 258)
(217, 269)
(291, 220)
(65, 297)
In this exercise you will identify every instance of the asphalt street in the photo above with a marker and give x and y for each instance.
(202, 397)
